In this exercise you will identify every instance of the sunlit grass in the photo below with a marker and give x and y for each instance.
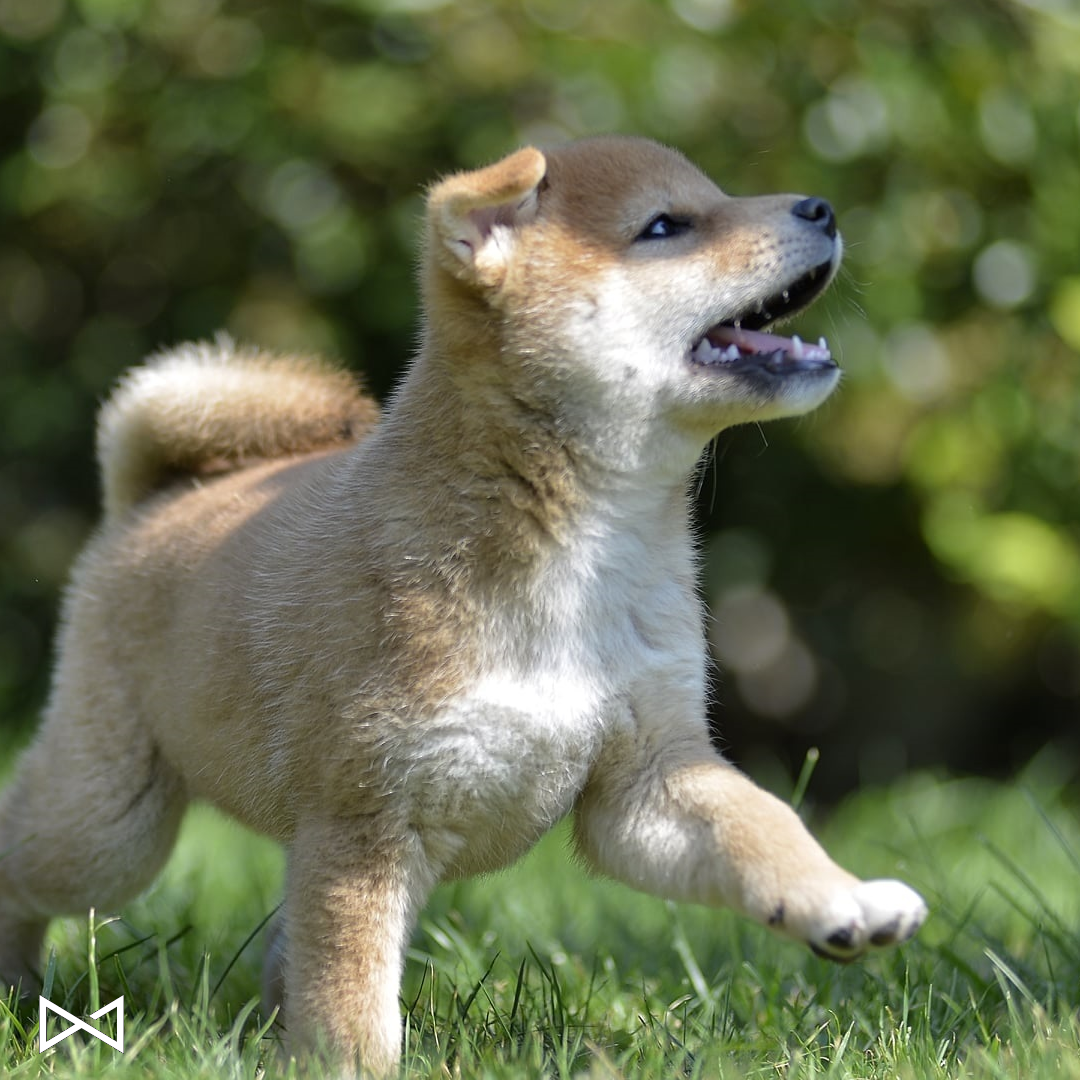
(542, 971)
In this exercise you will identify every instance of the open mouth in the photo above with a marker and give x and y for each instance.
(740, 342)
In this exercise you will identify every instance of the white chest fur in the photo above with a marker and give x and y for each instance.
(610, 628)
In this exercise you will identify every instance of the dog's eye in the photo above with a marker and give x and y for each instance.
(663, 227)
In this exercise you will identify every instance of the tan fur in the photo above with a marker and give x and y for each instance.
(406, 647)
(167, 417)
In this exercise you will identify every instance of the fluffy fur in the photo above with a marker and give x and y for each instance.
(407, 647)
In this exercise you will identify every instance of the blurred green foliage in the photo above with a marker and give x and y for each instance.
(896, 579)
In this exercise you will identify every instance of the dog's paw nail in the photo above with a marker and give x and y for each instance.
(886, 935)
(841, 946)
(842, 939)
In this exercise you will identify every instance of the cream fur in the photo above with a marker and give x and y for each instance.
(406, 648)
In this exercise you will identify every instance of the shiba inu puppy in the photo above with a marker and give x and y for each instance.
(407, 645)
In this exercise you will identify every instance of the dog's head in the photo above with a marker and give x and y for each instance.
(613, 276)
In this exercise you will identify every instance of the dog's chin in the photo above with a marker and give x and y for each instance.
(796, 393)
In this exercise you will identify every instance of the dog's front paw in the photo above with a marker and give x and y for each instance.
(872, 914)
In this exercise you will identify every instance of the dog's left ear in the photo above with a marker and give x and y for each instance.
(474, 216)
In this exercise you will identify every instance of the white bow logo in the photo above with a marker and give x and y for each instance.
(45, 1006)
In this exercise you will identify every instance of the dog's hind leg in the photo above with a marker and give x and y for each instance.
(86, 821)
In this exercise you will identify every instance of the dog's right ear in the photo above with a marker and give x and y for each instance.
(474, 216)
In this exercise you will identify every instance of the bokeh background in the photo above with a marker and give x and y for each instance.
(895, 580)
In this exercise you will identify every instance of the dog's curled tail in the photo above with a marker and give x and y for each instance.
(211, 407)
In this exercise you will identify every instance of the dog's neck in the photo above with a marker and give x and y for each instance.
(520, 484)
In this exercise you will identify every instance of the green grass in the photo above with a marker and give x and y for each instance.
(542, 971)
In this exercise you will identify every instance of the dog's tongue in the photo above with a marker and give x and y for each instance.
(756, 343)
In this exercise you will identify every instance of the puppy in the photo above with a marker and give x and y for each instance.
(406, 646)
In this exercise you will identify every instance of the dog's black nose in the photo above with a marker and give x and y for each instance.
(819, 212)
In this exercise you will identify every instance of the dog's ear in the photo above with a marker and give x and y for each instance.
(474, 216)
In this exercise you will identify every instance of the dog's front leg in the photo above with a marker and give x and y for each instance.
(353, 890)
(675, 819)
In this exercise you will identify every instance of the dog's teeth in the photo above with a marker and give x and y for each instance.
(705, 352)
(796, 347)
(822, 344)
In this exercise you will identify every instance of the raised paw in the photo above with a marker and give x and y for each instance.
(872, 914)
